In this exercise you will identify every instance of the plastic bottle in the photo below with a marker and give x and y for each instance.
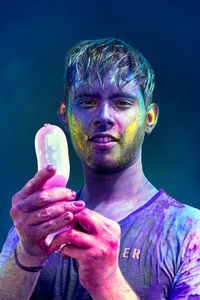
(51, 148)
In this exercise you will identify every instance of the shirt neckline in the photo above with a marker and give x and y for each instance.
(135, 211)
(142, 207)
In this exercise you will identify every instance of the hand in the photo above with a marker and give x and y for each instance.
(37, 212)
(96, 249)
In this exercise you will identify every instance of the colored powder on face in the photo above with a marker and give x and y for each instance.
(134, 128)
(128, 143)
(79, 138)
(130, 132)
(133, 136)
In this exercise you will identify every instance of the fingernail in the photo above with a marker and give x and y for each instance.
(78, 203)
(50, 168)
(68, 215)
(73, 194)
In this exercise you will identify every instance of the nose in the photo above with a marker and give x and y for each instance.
(104, 116)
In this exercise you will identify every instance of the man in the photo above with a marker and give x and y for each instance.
(129, 241)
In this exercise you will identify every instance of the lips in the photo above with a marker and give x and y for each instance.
(102, 138)
(103, 141)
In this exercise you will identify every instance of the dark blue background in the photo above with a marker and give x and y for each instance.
(35, 36)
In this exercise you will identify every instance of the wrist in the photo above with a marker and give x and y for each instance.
(25, 268)
(102, 289)
(115, 287)
(27, 259)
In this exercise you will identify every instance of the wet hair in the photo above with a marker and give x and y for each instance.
(92, 59)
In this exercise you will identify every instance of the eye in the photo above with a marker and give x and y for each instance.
(86, 103)
(122, 104)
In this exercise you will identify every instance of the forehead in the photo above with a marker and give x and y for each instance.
(108, 88)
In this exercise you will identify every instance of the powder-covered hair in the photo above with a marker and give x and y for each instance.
(92, 59)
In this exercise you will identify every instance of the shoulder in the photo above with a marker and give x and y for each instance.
(182, 212)
(182, 237)
(181, 222)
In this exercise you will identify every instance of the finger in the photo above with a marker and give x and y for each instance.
(46, 197)
(93, 222)
(51, 212)
(52, 225)
(37, 182)
(73, 252)
(74, 237)
(90, 221)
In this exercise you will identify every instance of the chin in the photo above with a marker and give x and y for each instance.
(101, 166)
(108, 167)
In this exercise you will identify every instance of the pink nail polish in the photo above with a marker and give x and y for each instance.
(50, 168)
(78, 204)
(73, 194)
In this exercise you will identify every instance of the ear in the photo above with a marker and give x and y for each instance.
(62, 114)
(151, 118)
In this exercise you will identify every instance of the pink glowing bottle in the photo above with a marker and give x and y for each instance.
(52, 149)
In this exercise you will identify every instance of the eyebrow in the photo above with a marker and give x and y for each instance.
(96, 95)
(123, 95)
(86, 95)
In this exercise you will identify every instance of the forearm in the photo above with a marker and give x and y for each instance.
(15, 283)
(115, 288)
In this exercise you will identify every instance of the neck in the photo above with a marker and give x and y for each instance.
(127, 186)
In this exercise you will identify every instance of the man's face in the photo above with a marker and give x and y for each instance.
(107, 125)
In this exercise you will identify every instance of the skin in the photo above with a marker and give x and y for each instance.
(127, 123)
(37, 212)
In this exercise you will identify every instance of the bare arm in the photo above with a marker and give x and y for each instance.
(16, 283)
(116, 288)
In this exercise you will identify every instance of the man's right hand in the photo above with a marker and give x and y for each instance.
(37, 212)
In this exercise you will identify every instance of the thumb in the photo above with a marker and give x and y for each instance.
(37, 182)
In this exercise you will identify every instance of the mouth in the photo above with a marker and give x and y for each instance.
(103, 141)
